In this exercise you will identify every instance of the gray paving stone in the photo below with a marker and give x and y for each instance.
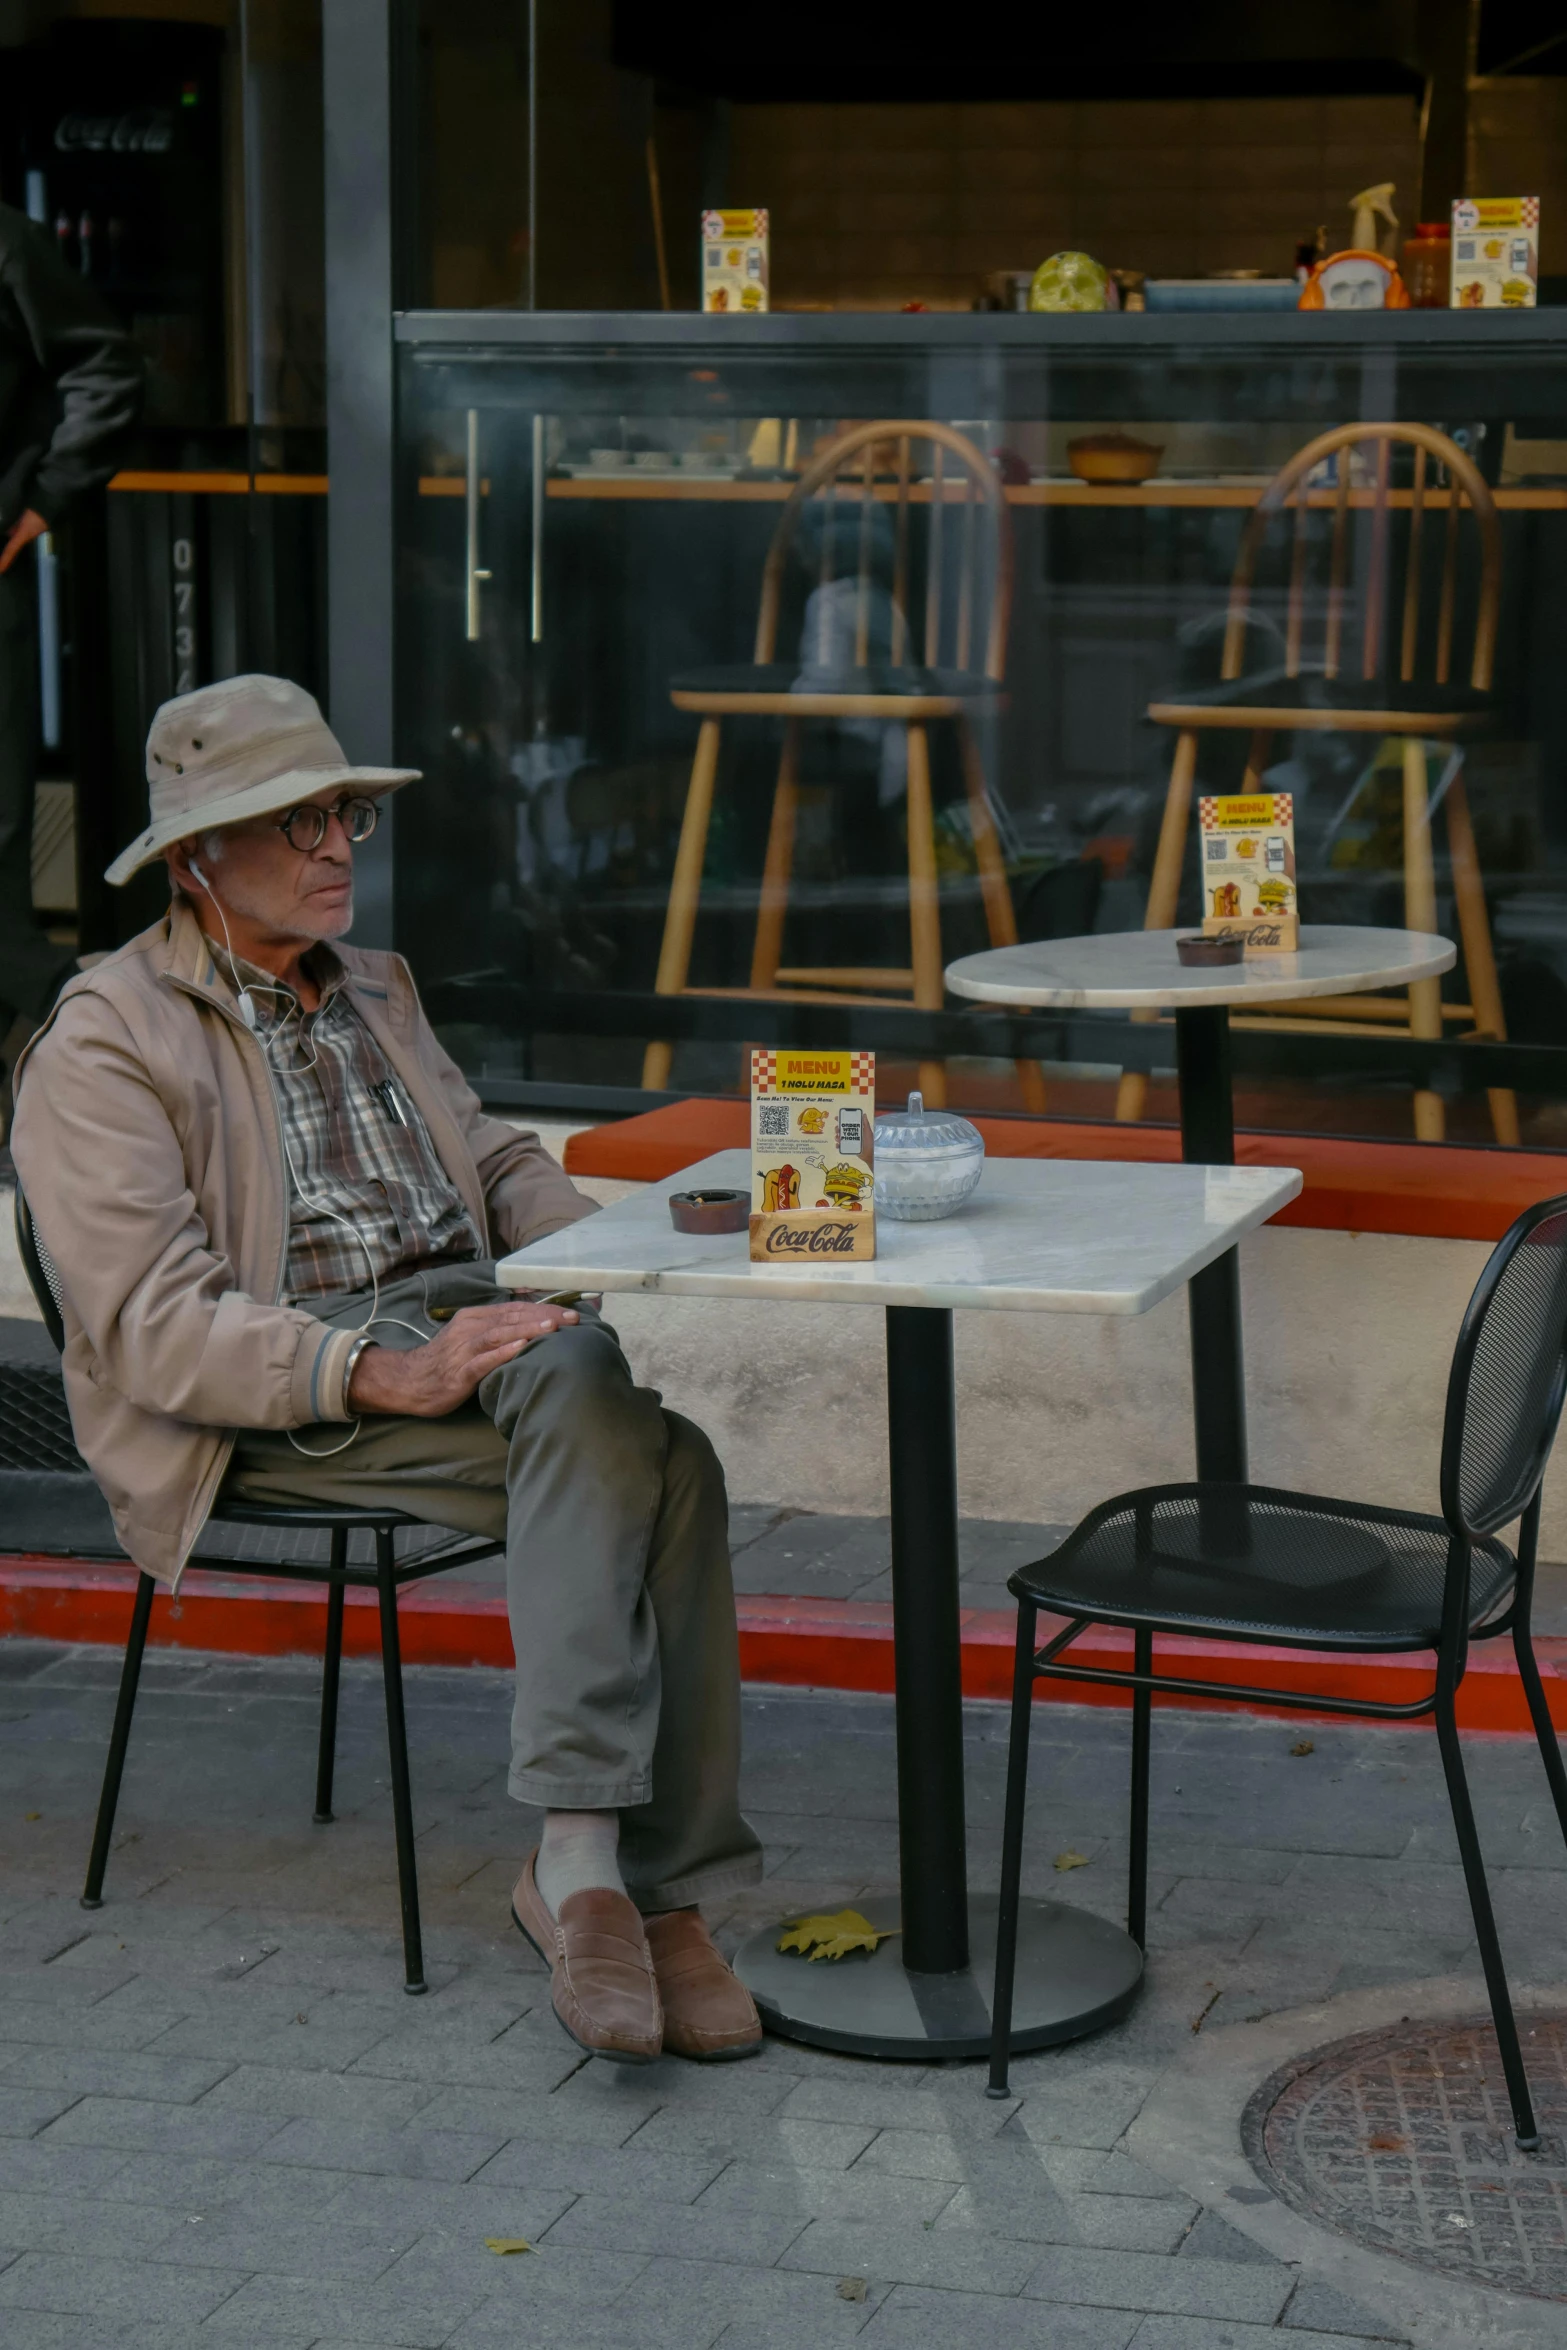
(241, 2239)
(423, 2206)
(1118, 2174)
(1104, 2222)
(206, 2184)
(533, 2114)
(371, 2311)
(323, 2096)
(533, 2066)
(962, 2111)
(54, 2221)
(914, 2317)
(51, 1986)
(44, 2329)
(536, 2163)
(581, 2274)
(1323, 2309)
(37, 2166)
(684, 2231)
(134, 2122)
(1213, 2238)
(23, 2112)
(175, 2080)
(407, 2154)
(825, 2194)
(959, 2259)
(684, 2304)
(1187, 2333)
(218, 1935)
(1144, 2280)
(73, 2283)
(772, 2141)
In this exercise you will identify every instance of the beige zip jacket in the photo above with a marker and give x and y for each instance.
(147, 1142)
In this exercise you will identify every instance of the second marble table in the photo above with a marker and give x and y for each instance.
(1140, 971)
(1039, 1236)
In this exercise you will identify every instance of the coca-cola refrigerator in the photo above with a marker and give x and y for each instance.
(111, 136)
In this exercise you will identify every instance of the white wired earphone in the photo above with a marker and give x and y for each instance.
(247, 1012)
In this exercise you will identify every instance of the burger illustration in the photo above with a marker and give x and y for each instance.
(843, 1186)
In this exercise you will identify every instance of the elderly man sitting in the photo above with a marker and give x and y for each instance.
(275, 1205)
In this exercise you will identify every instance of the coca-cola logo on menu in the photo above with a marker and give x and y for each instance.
(821, 1240)
(141, 130)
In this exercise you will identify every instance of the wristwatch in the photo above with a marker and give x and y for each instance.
(355, 1351)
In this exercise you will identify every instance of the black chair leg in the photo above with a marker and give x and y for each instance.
(1544, 1727)
(331, 1673)
(119, 1739)
(1012, 1850)
(1142, 1740)
(1484, 1921)
(397, 1743)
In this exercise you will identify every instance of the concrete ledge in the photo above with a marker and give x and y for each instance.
(800, 1643)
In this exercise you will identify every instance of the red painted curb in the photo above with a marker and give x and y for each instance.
(799, 1643)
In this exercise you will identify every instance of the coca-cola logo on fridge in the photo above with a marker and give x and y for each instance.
(140, 130)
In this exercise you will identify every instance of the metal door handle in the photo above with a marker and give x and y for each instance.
(474, 572)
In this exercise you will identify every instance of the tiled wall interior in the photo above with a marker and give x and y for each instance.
(875, 206)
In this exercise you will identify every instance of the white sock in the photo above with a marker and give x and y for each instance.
(577, 1855)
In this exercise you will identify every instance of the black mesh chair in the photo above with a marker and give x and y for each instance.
(317, 1544)
(1246, 1562)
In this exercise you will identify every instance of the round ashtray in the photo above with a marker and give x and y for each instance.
(710, 1211)
(1208, 954)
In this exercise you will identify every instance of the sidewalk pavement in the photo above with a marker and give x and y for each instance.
(223, 2126)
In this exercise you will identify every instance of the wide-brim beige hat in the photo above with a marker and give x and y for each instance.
(236, 750)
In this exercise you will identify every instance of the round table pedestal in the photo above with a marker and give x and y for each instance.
(1075, 1974)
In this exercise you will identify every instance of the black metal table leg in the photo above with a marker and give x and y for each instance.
(927, 1649)
(926, 1990)
(1202, 1052)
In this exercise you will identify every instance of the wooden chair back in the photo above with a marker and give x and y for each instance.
(1291, 488)
(870, 467)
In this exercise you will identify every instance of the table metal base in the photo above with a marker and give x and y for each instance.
(1075, 1973)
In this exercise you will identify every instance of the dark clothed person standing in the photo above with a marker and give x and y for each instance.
(70, 390)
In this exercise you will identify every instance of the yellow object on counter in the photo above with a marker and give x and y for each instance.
(1496, 253)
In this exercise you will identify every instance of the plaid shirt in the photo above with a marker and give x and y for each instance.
(357, 1144)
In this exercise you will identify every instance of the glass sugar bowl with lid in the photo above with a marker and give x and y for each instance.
(927, 1162)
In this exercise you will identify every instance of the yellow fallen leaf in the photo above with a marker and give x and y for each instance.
(834, 1936)
(32, 1815)
(505, 2244)
(851, 2288)
(1306, 1746)
(1071, 1860)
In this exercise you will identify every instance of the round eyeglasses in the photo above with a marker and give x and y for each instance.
(305, 827)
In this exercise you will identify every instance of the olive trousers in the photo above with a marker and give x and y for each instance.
(615, 1522)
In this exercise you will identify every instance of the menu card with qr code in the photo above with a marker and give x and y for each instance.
(813, 1119)
(1247, 848)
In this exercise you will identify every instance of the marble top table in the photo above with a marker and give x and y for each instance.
(1127, 970)
(1042, 1236)
(1139, 971)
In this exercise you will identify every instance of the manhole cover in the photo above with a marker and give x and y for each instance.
(1403, 2139)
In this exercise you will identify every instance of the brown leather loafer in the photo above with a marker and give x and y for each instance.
(601, 1971)
(708, 2012)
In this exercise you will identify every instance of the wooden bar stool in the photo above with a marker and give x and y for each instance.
(1413, 708)
(967, 598)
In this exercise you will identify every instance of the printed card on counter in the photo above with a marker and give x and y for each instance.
(1496, 253)
(1247, 846)
(813, 1118)
(734, 260)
